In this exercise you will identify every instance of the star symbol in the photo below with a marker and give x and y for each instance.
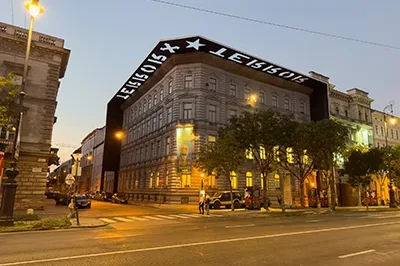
(196, 44)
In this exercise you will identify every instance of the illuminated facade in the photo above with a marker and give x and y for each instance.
(392, 130)
(180, 108)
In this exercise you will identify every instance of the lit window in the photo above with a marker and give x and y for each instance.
(158, 179)
(151, 180)
(261, 97)
(234, 181)
(249, 154)
(262, 153)
(155, 99)
(212, 139)
(289, 155)
(213, 84)
(247, 93)
(232, 113)
(302, 108)
(277, 181)
(169, 115)
(274, 100)
(167, 145)
(188, 82)
(187, 111)
(262, 181)
(186, 180)
(170, 87)
(287, 104)
(232, 90)
(249, 179)
(212, 181)
(212, 113)
(161, 94)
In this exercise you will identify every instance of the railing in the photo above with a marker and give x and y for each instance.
(36, 37)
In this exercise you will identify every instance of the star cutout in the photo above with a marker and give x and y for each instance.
(196, 44)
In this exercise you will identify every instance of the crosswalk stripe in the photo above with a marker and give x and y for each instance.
(152, 218)
(191, 215)
(166, 217)
(107, 220)
(122, 219)
(179, 216)
(137, 218)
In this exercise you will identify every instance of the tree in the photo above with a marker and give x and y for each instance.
(258, 134)
(329, 139)
(222, 157)
(9, 92)
(294, 142)
(357, 168)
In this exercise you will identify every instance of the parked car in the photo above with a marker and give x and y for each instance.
(118, 199)
(83, 202)
(223, 198)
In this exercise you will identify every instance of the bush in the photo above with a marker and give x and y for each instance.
(50, 223)
(26, 217)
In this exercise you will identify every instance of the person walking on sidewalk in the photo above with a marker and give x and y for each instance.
(201, 205)
(208, 202)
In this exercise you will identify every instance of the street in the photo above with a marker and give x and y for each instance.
(219, 239)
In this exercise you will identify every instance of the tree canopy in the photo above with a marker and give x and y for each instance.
(9, 92)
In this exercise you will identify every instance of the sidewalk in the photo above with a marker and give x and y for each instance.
(87, 223)
(50, 210)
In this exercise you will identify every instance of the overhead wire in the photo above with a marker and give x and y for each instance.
(276, 24)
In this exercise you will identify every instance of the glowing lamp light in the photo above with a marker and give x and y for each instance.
(392, 120)
(253, 98)
(89, 157)
(34, 8)
(119, 135)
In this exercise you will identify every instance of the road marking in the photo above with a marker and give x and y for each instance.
(191, 215)
(356, 254)
(238, 226)
(137, 218)
(115, 236)
(193, 244)
(179, 216)
(384, 217)
(152, 218)
(313, 221)
(122, 219)
(166, 217)
(107, 220)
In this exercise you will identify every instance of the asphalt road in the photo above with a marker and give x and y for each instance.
(229, 240)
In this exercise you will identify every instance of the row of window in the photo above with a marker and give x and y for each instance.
(382, 132)
(6, 134)
(155, 180)
(346, 114)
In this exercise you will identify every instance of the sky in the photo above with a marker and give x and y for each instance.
(109, 39)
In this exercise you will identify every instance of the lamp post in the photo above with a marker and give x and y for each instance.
(389, 108)
(9, 186)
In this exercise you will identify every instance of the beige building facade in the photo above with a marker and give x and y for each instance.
(47, 65)
(392, 135)
(181, 109)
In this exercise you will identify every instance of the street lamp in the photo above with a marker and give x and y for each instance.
(9, 186)
(119, 135)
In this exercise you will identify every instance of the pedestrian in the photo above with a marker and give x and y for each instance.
(208, 202)
(201, 205)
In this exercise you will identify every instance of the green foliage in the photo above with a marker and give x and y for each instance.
(9, 92)
(51, 223)
(357, 168)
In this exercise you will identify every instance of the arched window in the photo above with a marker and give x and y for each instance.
(234, 181)
(346, 113)
(287, 103)
(337, 110)
(161, 95)
(249, 179)
(151, 180)
(155, 99)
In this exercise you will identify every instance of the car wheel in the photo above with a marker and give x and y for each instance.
(236, 205)
(217, 205)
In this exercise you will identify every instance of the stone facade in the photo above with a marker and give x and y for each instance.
(98, 155)
(393, 129)
(201, 98)
(47, 65)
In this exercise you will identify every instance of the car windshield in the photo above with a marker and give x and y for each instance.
(218, 194)
(81, 197)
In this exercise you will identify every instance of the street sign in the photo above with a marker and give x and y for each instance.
(70, 180)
